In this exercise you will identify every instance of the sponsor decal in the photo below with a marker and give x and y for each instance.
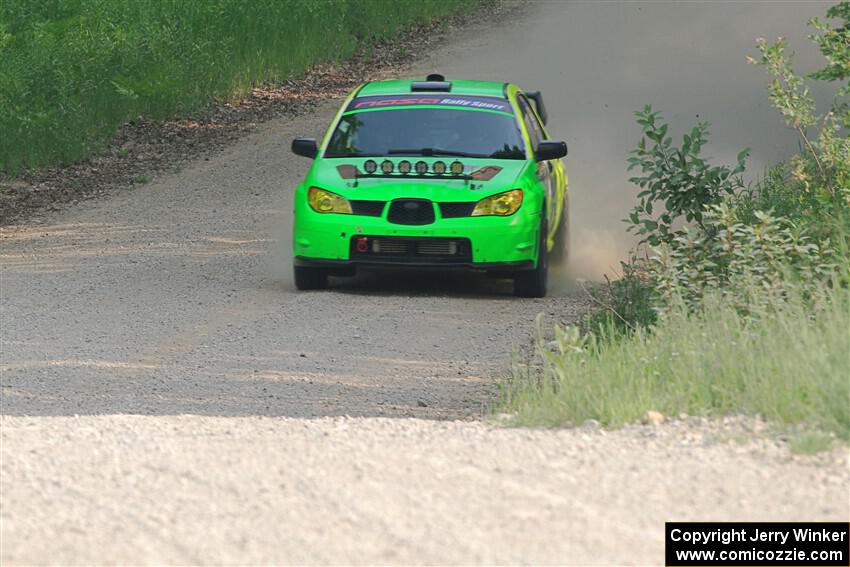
(486, 103)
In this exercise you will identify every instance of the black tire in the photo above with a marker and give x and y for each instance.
(561, 251)
(310, 278)
(532, 283)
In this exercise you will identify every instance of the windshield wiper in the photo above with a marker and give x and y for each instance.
(433, 152)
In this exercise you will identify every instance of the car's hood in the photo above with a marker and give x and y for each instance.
(485, 177)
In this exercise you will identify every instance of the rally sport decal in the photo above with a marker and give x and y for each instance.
(477, 102)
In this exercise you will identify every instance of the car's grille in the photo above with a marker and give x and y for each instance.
(411, 211)
(436, 248)
(411, 250)
(367, 208)
(455, 210)
(389, 246)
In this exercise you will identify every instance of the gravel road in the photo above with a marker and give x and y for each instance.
(261, 490)
(228, 419)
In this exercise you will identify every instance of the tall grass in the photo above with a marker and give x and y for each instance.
(789, 363)
(72, 71)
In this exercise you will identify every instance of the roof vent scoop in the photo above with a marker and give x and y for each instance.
(433, 82)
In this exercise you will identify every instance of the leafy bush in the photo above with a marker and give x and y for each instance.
(751, 266)
(823, 169)
(676, 177)
(834, 44)
(624, 304)
(741, 305)
(776, 192)
(750, 243)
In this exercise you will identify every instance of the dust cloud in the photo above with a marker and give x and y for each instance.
(280, 251)
(598, 62)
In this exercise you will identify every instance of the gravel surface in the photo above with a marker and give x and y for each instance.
(257, 490)
(228, 419)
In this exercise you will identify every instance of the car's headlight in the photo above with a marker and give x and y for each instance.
(503, 204)
(323, 201)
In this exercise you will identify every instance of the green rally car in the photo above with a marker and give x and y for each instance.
(433, 173)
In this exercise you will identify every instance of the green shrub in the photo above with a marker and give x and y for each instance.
(776, 192)
(746, 307)
(749, 265)
(624, 304)
(749, 243)
(676, 182)
(823, 168)
(834, 45)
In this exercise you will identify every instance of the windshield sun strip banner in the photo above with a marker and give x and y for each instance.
(430, 100)
(426, 106)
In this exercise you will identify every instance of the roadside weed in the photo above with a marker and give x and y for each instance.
(790, 365)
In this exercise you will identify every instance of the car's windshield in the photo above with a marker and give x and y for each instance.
(427, 131)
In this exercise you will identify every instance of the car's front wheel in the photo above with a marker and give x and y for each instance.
(310, 278)
(532, 283)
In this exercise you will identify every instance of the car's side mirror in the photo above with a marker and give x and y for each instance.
(306, 147)
(550, 150)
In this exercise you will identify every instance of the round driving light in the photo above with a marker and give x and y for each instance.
(456, 168)
(325, 203)
(370, 166)
(387, 166)
(404, 167)
(421, 167)
(439, 167)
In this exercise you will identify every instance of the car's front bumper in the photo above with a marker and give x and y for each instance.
(508, 243)
(377, 262)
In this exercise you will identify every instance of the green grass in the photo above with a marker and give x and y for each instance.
(810, 442)
(790, 365)
(72, 71)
